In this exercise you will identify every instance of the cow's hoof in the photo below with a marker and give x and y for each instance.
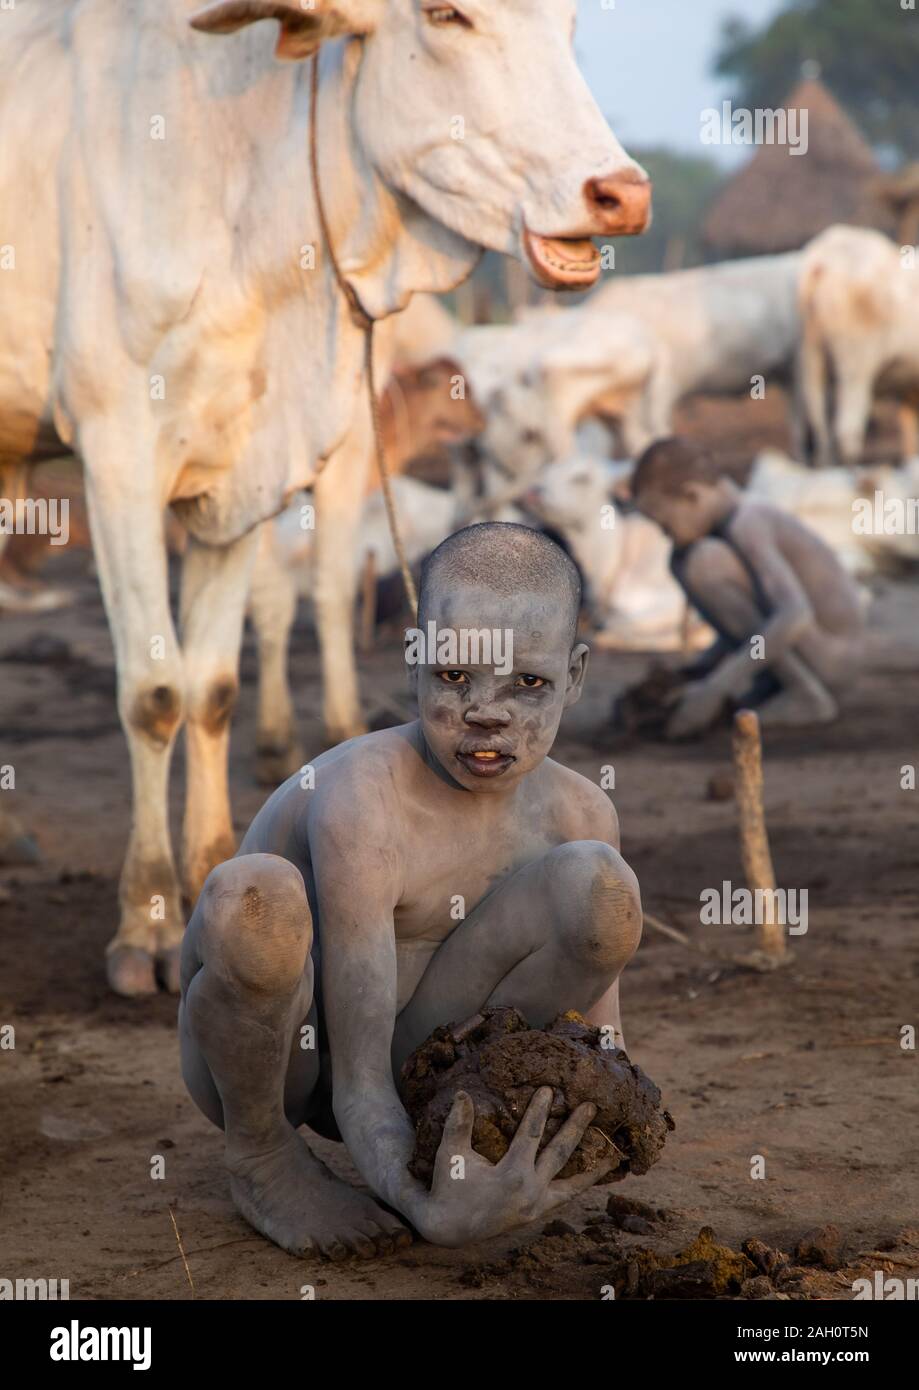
(274, 763)
(130, 971)
(168, 972)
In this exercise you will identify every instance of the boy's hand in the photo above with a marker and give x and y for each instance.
(476, 1199)
(698, 709)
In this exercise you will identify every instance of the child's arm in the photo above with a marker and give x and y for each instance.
(706, 661)
(791, 615)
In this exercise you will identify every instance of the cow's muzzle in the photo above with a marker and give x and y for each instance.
(616, 206)
(620, 205)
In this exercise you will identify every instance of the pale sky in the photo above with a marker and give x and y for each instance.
(648, 64)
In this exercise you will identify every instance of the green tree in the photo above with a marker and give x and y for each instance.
(868, 52)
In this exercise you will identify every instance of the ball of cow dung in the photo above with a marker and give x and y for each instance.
(500, 1061)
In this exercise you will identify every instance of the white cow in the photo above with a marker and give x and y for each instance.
(560, 371)
(637, 347)
(285, 572)
(634, 601)
(868, 516)
(860, 313)
(169, 312)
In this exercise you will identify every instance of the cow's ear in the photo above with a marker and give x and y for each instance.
(304, 23)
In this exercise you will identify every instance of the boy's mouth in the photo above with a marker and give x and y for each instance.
(485, 762)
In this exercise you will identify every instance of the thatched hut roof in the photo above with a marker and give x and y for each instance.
(779, 200)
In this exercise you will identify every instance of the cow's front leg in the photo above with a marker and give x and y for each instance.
(272, 609)
(215, 586)
(126, 520)
(339, 492)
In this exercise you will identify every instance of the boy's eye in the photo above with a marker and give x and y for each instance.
(530, 682)
(453, 677)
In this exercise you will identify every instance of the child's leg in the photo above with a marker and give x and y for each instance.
(247, 988)
(789, 690)
(554, 936)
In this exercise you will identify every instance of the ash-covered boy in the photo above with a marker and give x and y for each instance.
(789, 618)
(429, 871)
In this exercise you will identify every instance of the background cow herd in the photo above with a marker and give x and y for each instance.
(540, 420)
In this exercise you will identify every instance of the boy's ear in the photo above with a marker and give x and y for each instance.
(577, 670)
(305, 24)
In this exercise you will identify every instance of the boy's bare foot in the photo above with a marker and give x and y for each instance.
(293, 1199)
(791, 710)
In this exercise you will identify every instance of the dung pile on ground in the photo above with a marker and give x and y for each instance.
(500, 1061)
(643, 709)
(704, 1269)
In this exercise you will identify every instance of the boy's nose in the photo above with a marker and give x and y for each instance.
(489, 714)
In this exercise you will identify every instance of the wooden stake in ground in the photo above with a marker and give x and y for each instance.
(754, 838)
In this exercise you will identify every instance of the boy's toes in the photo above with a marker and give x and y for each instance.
(363, 1246)
(397, 1235)
(335, 1251)
(382, 1240)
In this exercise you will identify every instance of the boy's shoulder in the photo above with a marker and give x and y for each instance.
(760, 525)
(752, 513)
(584, 809)
(365, 765)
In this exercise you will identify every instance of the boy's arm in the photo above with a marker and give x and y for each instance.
(357, 878)
(792, 612)
(706, 661)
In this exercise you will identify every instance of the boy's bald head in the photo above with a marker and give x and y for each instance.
(677, 484)
(667, 465)
(506, 558)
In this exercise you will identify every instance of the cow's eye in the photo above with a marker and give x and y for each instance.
(446, 14)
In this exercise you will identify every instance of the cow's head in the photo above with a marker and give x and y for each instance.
(477, 113)
(571, 494)
(589, 366)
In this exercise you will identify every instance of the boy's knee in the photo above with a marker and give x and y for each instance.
(598, 904)
(257, 920)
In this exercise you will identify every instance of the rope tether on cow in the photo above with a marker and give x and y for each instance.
(363, 321)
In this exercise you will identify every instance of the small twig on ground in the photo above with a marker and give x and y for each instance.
(891, 1259)
(202, 1250)
(182, 1251)
(657, 925)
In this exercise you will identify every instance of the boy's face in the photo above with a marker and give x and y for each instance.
(685, 516)
(492, 691)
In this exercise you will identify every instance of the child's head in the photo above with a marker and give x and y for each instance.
(678, 485)
(495, 657)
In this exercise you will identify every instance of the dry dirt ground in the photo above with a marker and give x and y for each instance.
(803, 1067)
